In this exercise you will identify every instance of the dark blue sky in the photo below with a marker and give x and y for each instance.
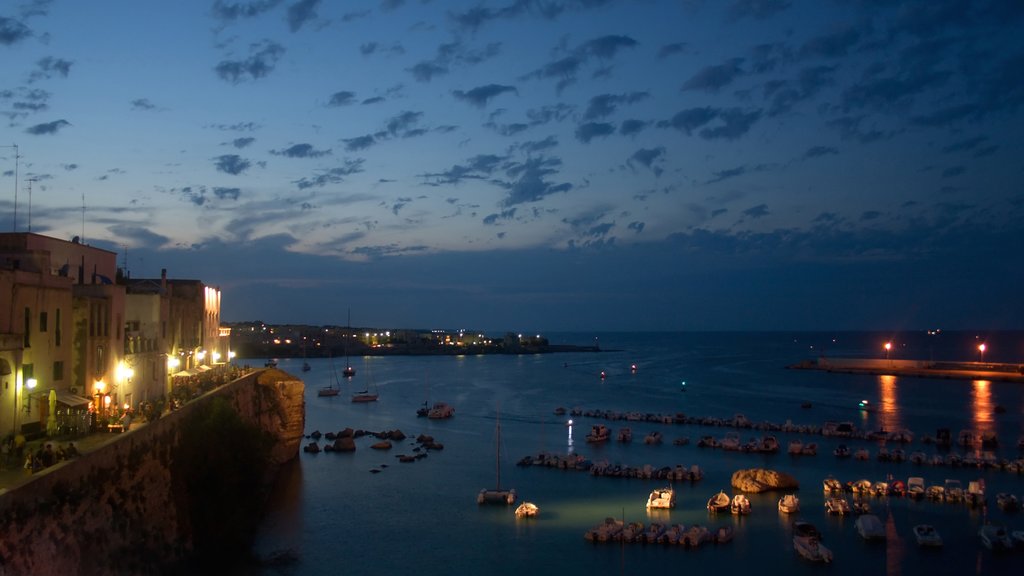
(534, 165)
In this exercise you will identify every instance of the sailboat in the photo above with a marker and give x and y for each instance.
(348, 371)
(365, 395)
(331, 389)
(497, 495)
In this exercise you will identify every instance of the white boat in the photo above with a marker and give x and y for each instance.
(497, 495)
(870, 527)
(995, 537)
(789, 504)
(927, 535)
(719, 502)
(831, 486)
(837, 505)
(812, 549)
(365, 396)
(440, 410)
(527, 510)
(662, 498)
(915, 487)
(328, 391)
(740, 505)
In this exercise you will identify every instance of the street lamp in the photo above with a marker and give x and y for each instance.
(981, 352)
(888, 347)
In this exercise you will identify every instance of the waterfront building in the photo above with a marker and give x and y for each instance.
(72, 323)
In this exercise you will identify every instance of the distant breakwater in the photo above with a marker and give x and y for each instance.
(177, 492)
(917, 368)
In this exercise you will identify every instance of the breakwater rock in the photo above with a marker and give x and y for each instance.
(168, 496)
(761, 480)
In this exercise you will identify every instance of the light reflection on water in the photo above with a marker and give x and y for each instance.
(889, 405)
(981, 407)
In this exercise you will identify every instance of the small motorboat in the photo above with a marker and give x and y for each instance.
(832, 486)
(527, 510)
(837, 505)
(927, 535)
(995, 537)
(662, 498)
(915, 487)
(812, 549)
(719, 503)
(870, 527)
(789, 504)
(364, 396)
(740, 505)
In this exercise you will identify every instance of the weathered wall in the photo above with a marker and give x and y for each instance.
(112, 511)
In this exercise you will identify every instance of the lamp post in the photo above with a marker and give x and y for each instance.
(888, 347)
(981, 352)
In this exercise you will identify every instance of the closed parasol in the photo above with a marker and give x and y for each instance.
(51, 420)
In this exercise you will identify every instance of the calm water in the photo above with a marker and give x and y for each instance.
(422, 517)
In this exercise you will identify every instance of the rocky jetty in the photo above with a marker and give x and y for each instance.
(761, 480)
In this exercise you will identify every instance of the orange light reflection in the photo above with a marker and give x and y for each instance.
(889, 406)
(981, 407)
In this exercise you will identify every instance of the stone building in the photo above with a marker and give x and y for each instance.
(72, 324)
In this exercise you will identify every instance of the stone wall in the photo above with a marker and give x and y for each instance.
(113, 510)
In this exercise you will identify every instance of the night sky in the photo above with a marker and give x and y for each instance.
(534, 165)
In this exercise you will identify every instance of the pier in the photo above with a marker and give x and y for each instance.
(917, 368)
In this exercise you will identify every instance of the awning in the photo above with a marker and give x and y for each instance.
(204, 368)
(71, 400)
(184, 373)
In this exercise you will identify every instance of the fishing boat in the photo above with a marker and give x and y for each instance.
(789, 504)
(870, 527)
(995, 538)
(497, 495)
(927, 535)
(719, 503)
(527, 510)
(662, 498)
(740, 505)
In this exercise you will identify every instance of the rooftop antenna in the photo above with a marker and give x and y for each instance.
(30, 181)
(15, 146)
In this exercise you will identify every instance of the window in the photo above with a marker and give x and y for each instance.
(27, 371)
(58, 370)
(56, 329)
(42, 321)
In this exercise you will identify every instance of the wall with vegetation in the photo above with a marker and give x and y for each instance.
(184, 490)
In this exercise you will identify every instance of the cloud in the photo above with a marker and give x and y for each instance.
(48, 66)
(757, 9)
(965, 145)
(539, 145)
(47, 127)
(301, 12)
(342, 98)
(401, 123)
(835, 44)
(358, 143)
(262, 59)
(227, 193)
(452, 54)
(530, 183)
(815, 151)
(714, 78)
(142, 104)
(590, 130)
(13, 31)
(604, 105)
(566, 68)
(236, 10)
(606, 47)
(480, 95)
(690, 119)
(231, 164)
(476, 168)
(333, 175)
(649, 157)
(953, 171)
(759, 211)
(242, 142)
(301, 151)
(632, 126)
(728, 123)
(671, 49)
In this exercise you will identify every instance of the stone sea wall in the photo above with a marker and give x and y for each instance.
(120, 509)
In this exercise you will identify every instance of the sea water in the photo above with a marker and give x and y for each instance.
(367, 513)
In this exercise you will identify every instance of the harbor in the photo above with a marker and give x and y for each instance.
(992, 371)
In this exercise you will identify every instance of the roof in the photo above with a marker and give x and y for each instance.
(72, 400)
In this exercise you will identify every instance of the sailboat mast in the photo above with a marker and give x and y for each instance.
(497, 449)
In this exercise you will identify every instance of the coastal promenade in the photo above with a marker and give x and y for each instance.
(917, 368)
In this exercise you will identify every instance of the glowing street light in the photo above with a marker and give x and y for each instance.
(981, 352)
(888, 347)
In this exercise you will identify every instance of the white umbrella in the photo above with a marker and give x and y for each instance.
(51, 420)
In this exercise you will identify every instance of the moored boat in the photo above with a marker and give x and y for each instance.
(870, 527)
(1007, 502)
(719, 502)
(812, 549)
(832, 486)
(365, 396)
(995, 538)
(837, 505)
(662, 498)
(740, 505)
(527, 510)
(915, 487)
(789, 504)
(927, 535)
